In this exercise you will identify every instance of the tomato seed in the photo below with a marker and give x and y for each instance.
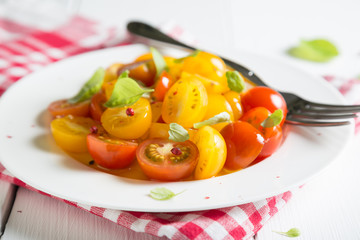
(93, 129)
(176, 151)
(130, 112)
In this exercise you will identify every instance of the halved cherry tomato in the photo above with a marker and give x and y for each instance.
(70, 132)
(264, 97)
(145, 72)
(129, 122)
(110, 152)
(234, 99)
(211, 86)
(162, 85)
(166, 160)
(156, 111)
(64, 108)
(272, 135)
(185, 103)
(244, 143)
(212, 150)
(97, 106)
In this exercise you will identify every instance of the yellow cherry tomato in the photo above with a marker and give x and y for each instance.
(185, 103)
(212, 152)
(218, 104)
(156, 111)
(111, 72)
(161, 130)
(129, 122)
(70, 132)
(234, 99)
(210, 85)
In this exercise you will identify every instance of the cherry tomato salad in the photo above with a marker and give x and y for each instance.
(175, 118)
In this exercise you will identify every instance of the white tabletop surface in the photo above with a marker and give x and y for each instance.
(325, 208)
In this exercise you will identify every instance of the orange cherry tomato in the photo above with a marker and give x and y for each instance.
(272, 135)
(129, 122)
(162, 85)
(264, 97)
(244, 143)
(145, 72)
(110, 152)
(63, 108)
(156, 111)
(234, 99)
(97, 106)
(166, 160)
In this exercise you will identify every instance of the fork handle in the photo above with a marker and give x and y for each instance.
(147, 31)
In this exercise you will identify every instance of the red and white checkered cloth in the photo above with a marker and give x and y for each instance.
(20, 56)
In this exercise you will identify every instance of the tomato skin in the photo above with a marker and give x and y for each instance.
(212, 150)
(162, 85)
(63, 108)
(167, 170)
(97, 106)
(161, 130)
(264, 97)
(119, 124)
(218, 104)
(272, 135)
(244, 143)
(70, 132)
(109, 152)
(145, 72)
(234, 99)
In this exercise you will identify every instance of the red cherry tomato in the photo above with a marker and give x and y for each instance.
(162, 85)
(272, 135)
(165, 160)
(97, 106)
(244, 143)
(110, 152)
(63, 108)
(264, 97)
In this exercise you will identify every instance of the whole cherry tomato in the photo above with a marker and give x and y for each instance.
(272, 135)
(165, 160)
(162, 85)
(218, 104)
(110, 152)
(145, 72)
(264, 97)
(244, 143)
(64, 108)
(212, 150)
(234, 99)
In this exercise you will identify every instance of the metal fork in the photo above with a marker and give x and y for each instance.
(300, 111)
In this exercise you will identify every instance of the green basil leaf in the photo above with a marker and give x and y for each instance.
(219, 118)
(92, 86)
(293, 232)
(317, 50)
(162, 193)
(274, 119)
(177, 133)
(193, 54)
(159, 61)
(235, 81)
(126, 92)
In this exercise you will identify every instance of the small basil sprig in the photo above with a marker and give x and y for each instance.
(159, 61)
(162, 193)
(219, 118)
(92, 86)
(177, 133)
(317, 50)
(293, 232)
(126, 92)
(274, 119)
(235, 81)
(193, 54)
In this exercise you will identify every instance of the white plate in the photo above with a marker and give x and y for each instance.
(32, 156)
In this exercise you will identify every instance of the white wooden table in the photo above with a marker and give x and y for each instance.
(325, 208)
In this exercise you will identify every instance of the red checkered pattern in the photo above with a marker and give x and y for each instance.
(21, 56)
